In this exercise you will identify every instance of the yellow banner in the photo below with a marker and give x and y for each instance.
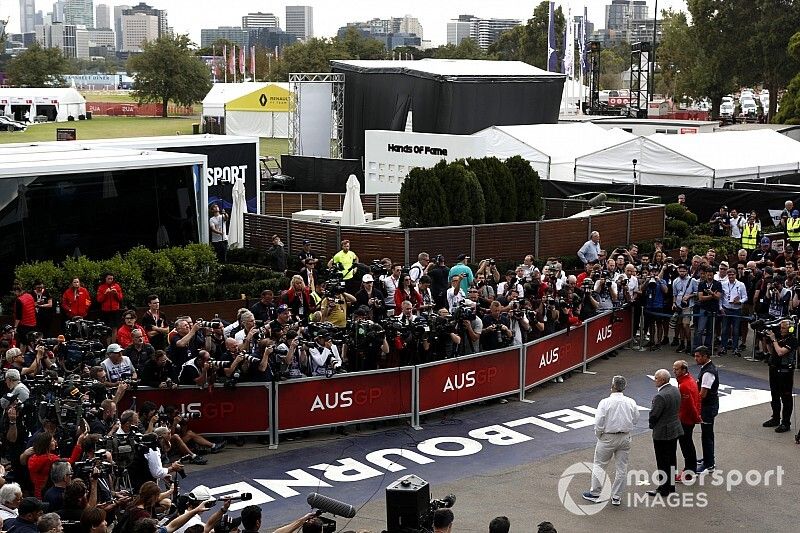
(270, 98)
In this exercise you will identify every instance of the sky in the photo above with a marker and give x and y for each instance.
(188, 16)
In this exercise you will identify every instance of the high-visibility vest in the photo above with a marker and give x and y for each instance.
(749, 237)
(793, 229)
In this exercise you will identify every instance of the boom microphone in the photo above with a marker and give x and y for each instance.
(329, 505)
(597, 201)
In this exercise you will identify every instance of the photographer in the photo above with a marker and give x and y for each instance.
(105, 424)
(159, 372)
(776, 299)
(390, 285)
(606, 291)
(369, 345)
(252, 339)
(496, 331)
(200, 498)
(60, 475)
(324, 355)
(39, 458)
(655, 296)
(684, 292)
(488, 269)
(334, 306)
(181, 348)
(371, 296)
(424, 290)
(420, 268)
(139, 351)
(196, 371)
(292, 357)
(782, 351)
(147, 463)
(445, 342)
(471, 325)
(454, 294)
(117, 366)
(485, 291)
(265, 309)
(439, 274)
(589, 304)
(511, 283)
(518, 319)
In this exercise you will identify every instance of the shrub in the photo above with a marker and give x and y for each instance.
(529, 189)
(487, 180)
(45, 271)
(422, 200)
(677, 227)
(462, 191)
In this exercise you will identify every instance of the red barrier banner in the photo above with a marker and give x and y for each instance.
(344, 398)
(468, 379)
(244, 409)
(547, 358)
(607, 332)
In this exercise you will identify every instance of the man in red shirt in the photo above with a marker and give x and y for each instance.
(24, 314)
(109, 296)
(689, 415)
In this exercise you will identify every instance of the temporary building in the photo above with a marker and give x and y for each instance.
(248, 109)
(58, 104)
(551, 148)
(701, 160)
(456, 96)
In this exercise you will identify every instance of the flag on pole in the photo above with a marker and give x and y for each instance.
(582, 49)
(552, 57)
(569, 46)
(232, 61)
(253, 62)
(242, 63)
(224, 56)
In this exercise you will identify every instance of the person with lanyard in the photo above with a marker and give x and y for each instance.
(734, 295)
(305, 253)
(782, 350)
(44, 307)
(684, 291)
(709, 292)
(420, 268)
(390, 285)
(406, 292)
(155, 323)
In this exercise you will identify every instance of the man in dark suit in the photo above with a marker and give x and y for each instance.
(666, 429)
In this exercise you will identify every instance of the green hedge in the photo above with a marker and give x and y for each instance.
(185, 274)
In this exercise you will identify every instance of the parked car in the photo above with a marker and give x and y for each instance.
(749, 107)
(726, 109)
(8, 124)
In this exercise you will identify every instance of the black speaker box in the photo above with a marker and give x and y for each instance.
(407, 501)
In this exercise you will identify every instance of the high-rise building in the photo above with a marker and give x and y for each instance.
(234, 34)
(118, 10)
(260, 20)
(39, 18)
(620, 14)
(79, 12)
(102, 37)
(408, 24)
(27, 15)
(58, 35)
(271, 38)
(161, 14)
(300, 21)
(137, 29)
(102, 18)
(58, 12)
(484, 32)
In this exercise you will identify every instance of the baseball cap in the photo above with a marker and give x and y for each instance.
(7, 328)
(724, 264)
(31, 505)
(306, 241)
(461, 257)
(282, 308)
(367, 278)
(796, 213)
(765, 240)
(682, 266)
(201, 494)
(114, 348)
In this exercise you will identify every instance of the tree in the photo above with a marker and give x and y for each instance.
(790, 102)
(216, 47)
(612, 65)
(167, 70)
(675, 55)
(422, 200)
(353, 45)
(313, 55)
(528, 187)
(466, 49)
(528, 43)
(38, 67)
(463, 193)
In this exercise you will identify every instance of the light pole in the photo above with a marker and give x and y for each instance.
(634, 182)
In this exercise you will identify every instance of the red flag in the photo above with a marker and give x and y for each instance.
(224, 56)
(232, 61)
(241, 61)
(253, 62)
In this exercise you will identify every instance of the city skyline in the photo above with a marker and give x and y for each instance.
(190, 17)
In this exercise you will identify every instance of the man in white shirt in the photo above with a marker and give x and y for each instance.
(737, 223)
(216, 231)
(324, 356)
(590, 251)
(420, 268)
(454, 294)
(734, 294)
(390, 284)
(616, 417)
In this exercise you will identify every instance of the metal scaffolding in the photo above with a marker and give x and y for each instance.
(336, 82)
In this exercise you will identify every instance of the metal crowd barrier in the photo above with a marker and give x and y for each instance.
(407, 392)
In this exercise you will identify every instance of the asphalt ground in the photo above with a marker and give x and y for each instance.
(521, 479)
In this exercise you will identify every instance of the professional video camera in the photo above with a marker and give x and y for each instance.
(464, 312)
(376, 269)
(209, 324)
(445, 503)
(80, 328)
(761, 325)
(84, 469)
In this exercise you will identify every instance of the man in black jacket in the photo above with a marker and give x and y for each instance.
(666, 429)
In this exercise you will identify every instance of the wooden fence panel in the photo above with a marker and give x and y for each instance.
(647, 224)
(613, 228)
(450, 242)
(562, 237)
(369, 244)
(507, 242)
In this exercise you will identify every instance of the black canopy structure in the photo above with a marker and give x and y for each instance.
(457, 96)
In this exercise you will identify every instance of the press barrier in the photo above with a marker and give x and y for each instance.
(273, 409)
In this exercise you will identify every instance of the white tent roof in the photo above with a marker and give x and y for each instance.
(548, 145)
(64, 95)
(700, 160)
(222, 93)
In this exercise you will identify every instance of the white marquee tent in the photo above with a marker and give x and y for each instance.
(248, 109)
(701, 160)
(56, 103)
(551, 148)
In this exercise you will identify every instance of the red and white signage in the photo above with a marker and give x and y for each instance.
(608, 332)
(550, 357)
(221, 410)
(467, 379)
(344, 398)
(688, 130)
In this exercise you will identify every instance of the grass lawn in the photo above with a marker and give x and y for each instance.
(116, 97)
(101, 127)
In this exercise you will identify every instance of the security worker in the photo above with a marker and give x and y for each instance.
(782, 349)
(750, 234)
(793, 227)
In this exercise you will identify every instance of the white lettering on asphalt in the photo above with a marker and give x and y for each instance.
(532, 420)
(347, 471)
(571, 418)
(378, 458)
(431, 446)
(499, 435)
(282, 487)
